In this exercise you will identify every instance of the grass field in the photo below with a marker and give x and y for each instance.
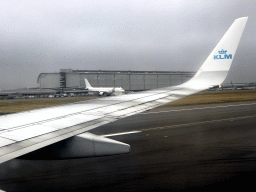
(18, 105)
(215, 97)
(13, 106)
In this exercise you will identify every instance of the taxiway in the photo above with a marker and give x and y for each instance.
(172, 148)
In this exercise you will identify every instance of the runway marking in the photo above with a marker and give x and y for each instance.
(123, 133)
(197, 123)
(176, 126)
(220, 106)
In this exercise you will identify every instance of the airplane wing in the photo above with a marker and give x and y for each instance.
(25, 132)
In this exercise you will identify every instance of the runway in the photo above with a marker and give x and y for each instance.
(172, 148)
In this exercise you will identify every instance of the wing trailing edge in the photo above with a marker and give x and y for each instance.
(80, 146)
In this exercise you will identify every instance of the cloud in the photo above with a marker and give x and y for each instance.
(44, 36)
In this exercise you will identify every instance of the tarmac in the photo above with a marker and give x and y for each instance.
(198, 147)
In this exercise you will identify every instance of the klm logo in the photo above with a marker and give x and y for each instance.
(223, 55)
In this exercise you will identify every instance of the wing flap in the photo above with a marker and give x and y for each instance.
(23, 147)
(27, 132)
(4, 141)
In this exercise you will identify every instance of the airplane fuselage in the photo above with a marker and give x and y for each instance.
(106, 90)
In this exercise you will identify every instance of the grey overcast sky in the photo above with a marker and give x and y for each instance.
(45, 36)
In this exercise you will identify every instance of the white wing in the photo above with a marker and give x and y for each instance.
(25, 132)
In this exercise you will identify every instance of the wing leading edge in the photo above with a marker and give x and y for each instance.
(22, 133)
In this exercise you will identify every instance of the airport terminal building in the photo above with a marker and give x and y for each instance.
(128, 80)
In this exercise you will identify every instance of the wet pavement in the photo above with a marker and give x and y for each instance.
(175, 148)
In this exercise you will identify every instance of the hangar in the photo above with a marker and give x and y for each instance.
(128, 80)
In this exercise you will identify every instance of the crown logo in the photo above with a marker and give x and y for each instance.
(222, 51)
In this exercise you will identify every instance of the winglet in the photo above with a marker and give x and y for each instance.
(215, 68)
